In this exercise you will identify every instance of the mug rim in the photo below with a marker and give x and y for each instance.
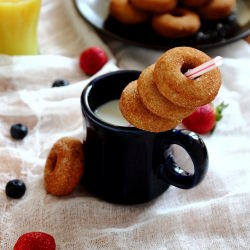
(91, 113)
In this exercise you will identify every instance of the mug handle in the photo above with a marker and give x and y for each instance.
(171, 172)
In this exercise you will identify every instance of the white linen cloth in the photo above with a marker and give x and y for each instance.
(214, 215)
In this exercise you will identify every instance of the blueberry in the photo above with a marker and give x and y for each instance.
(15, 189)
(18, 131)
(203, 37)
(60, 83)
(231, 19)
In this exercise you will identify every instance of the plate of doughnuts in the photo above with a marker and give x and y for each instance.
(137, 23)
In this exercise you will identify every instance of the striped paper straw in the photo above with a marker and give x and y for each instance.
(205, 67)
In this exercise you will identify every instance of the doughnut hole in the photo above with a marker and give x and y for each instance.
(186, 66)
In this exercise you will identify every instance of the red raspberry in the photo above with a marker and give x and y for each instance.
(204, 118)
(35, 241)
(92, 60)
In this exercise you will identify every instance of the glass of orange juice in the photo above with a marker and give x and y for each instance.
(18, 26)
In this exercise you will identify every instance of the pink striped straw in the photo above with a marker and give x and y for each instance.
(205, 67)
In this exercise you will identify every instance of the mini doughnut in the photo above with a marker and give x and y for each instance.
(154, 6)
(176, 87)
(194, 3)
(138, 115)
(154, 101)
(217, 9)
(178, 23)
(162, 96)
(126, 13)
(64, 166)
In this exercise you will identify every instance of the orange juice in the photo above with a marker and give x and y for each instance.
(18, 26)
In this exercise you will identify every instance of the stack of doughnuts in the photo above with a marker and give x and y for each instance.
(171, 18)
(163, 96)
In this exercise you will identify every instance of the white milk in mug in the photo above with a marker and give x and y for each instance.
(110, 113)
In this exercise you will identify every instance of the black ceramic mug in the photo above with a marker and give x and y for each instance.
(127, 165)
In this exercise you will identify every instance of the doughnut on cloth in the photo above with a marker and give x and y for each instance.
(176, 87)
(64, 166)
(154, 101)
(138, 115)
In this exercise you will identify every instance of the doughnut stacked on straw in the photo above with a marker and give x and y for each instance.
(163, 96)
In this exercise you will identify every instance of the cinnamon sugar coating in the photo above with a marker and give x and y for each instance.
(176, 87)
(64, 166)
(163, 96)
(138, 115)
(155, 101)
